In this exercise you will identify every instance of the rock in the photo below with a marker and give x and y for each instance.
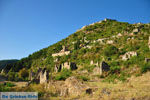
(106, 91)
(119, 35)
(110, 42)
(136, 30)
(89, 91)
(73, 86)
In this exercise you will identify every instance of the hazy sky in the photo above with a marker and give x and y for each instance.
(30, 25)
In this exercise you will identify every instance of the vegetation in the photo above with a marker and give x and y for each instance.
(85, 46)
(63, 75)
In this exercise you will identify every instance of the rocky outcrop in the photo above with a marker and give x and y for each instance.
(73, 86)
(128, 55)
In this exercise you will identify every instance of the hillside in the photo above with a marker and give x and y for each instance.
(106, 51)
(3, 63)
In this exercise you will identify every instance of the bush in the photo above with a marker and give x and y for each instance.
(145, 68)
(11, 76)
(23, 74)
(89, 68)
(84, 78)
(110, 50)
(115, 69)
(63, 75)
(8, 84)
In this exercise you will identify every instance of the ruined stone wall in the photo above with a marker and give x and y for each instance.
(61, 53)
(128, 55)
(149, 42)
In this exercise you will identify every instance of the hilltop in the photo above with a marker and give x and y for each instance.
(106, 51)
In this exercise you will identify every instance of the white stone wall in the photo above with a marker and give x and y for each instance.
(61, 53)
(128, 55)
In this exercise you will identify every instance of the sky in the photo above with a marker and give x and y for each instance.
(27, 26)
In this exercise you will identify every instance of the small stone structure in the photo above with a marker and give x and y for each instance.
(128, 55)
(31, 75)
(147, 60)
(44, 76)
(41, 76)
(92, 63)
(64, 51)
(100, 68)
(110, 42)
(66, 65)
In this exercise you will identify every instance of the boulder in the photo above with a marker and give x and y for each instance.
(73, 86)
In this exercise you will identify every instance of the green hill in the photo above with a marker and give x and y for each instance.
(107, 40)
(3, 63)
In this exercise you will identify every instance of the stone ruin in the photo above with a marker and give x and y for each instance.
(147, 60)
(66, 65)
(128, 55)
(64, 51)
(41, 76)
(100, 68)
(149, 42)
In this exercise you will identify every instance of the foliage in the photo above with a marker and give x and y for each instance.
(5, 87)
(110, 50)
(63, 75)
(145, 67)
(23, 73)
(84, 78)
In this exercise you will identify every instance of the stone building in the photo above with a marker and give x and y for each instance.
(44, 76)
(128, 55)
(31, 75)
(147, 60)
(66, 65)
(41, 76)
(100, 68)
(64, 51)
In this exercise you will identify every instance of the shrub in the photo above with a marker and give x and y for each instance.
(23, 74)
(115, 69)
(63, 75)
(145, 68)
(84, 78)
(8, 84)
(89, 68)
(110, 50)
(11, 76)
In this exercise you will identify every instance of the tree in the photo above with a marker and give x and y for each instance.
(23, 73)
